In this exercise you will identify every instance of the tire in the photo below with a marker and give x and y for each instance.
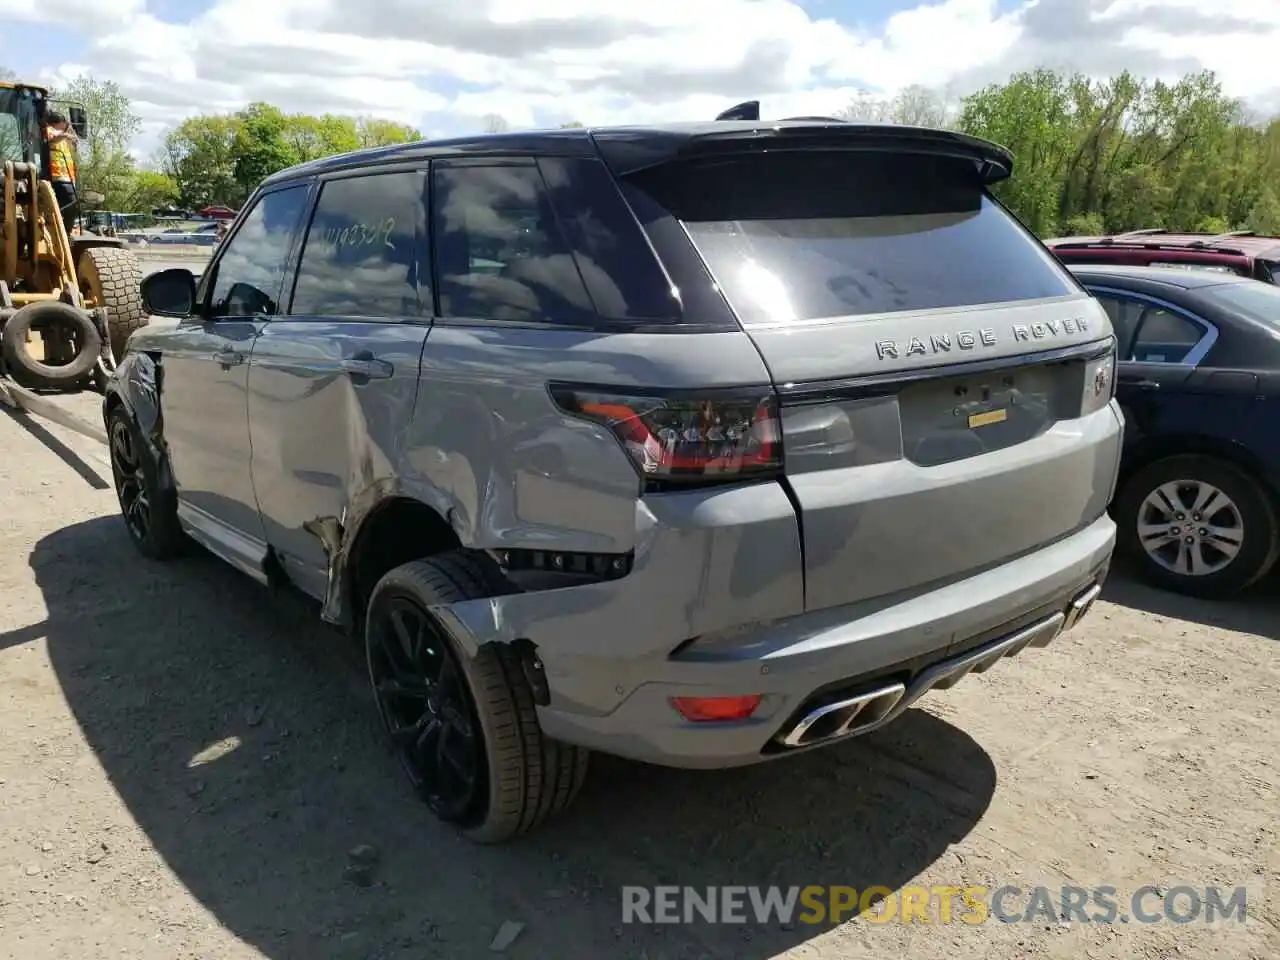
(132, 469)
(524, 777)
(1249, 523)
(35, 374)
(111, 277)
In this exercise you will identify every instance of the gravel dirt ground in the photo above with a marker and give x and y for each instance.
(188, 765)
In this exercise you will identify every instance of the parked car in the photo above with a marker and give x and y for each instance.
(1199, 383)
(654, 441)
(1240, 252)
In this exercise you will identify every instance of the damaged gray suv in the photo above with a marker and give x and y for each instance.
(700, 444)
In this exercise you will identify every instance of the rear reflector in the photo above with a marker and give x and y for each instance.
(711, 709)
(695, 439)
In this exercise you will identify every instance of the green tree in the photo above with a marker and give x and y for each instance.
(376, 132)
(149, 190)
(309, 138)
(261, 145)
(103, 160)
(1265, 215)
(200, 156)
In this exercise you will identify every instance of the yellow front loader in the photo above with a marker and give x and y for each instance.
(68, 301)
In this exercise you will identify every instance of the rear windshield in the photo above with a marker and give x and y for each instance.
(1257, 300)
(815, 234)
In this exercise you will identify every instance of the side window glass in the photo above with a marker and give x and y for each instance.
(252, 266)
(621, 271)
(1165, 337)
(365, 250)
(500, 253)
(1124, 316)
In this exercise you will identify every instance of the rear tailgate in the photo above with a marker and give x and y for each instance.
(932, 358)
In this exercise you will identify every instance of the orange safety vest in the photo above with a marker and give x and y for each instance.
(62, 161)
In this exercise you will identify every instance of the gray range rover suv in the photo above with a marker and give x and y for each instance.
(699, 444)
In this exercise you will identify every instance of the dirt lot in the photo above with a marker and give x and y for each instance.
(187, 763)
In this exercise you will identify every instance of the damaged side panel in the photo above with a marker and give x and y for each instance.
(329, 404)
(486, 447)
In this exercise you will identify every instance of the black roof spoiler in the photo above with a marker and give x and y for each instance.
(747, 110)
(629, 150)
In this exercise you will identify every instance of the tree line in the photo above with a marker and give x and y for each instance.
(1091, 156)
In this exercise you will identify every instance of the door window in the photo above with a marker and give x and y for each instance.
(1124, 316)
(365, 254)
(500, 253)
(247, 277)
(1165, 337)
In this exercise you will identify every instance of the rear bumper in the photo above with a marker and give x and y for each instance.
(610, 694)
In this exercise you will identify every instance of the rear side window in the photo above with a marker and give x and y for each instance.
(500, 252)
(815, 234)
(617, 264)
(365, 253)
(1165, 337)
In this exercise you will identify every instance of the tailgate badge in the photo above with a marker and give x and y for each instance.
(986, 419)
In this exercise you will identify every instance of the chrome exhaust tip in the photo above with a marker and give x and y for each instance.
(844, 717)
(1081, 605)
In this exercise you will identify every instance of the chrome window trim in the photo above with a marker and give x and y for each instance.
(1196, 354)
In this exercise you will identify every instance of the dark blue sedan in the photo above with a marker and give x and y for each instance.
(1199, 381)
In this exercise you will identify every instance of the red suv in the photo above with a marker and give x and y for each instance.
(1242, 252)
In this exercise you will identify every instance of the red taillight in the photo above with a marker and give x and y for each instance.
(720, 437)
(710, 709)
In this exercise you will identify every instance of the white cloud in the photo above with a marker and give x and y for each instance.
(442, 64)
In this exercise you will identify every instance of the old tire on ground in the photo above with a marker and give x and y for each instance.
(35, 374)
(465, 730)
(1198, 525)
(149, 509)
(111, 277)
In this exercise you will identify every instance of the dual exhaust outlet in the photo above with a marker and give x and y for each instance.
(865, 712)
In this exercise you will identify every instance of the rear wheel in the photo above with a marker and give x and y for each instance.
(111, 277)
(465, 730)
(1198, 525)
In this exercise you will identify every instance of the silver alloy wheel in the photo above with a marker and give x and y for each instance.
(1190, 527)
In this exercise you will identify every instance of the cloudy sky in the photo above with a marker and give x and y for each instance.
(443, 64)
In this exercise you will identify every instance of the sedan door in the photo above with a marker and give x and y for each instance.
(1160, 346)
(205, 367)
(332, 384)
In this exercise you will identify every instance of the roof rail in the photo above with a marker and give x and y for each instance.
(1233, 233)
(747, 110)
(817, 119)
(1138, 233)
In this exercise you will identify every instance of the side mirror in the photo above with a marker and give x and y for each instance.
(79, 121)
(169, 293)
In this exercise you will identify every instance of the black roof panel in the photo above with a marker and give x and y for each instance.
(627, 149)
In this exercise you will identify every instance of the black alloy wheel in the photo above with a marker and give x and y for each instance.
(130, 480)
(423, 700)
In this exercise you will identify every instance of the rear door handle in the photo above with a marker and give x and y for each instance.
(364, 366)
(1141, 384)
(228, 357)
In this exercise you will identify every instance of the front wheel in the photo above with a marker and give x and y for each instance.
(1198, 525)
(150, 510)
(464, 729)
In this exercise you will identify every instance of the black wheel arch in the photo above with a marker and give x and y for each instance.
(135, 386)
